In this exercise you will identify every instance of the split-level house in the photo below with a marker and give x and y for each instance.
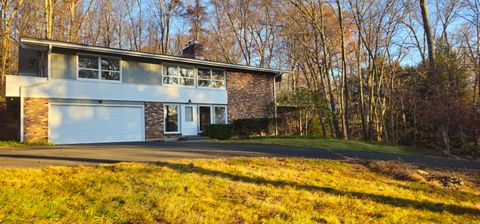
(70, 93)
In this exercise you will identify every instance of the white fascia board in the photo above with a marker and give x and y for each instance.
(148, 55)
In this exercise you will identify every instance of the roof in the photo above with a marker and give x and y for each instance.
(75, 46)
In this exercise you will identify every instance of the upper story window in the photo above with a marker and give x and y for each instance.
(99, 67)
(212, 78)
(176, 75)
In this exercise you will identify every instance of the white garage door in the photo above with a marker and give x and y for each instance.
(70, 124)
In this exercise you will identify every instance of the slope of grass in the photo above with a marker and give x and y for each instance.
(326, 143)
(236, 190)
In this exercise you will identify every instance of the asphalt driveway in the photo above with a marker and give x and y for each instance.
(92, 154)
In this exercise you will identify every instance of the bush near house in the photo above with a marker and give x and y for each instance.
(254, 127)
(243, 128)
(219, 131)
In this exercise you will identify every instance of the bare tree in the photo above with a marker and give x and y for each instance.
(164, 11)
(446, 13)
(8, 12)
(77, 17)
(135, 16)
(49, 7)
(345, 114)
(196, 15)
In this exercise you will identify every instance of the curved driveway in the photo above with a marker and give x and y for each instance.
(160, 151)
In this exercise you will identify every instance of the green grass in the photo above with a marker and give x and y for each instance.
(21, 144)
(235, 190)
(327, 143)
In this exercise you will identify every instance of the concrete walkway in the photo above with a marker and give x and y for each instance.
(69, 155)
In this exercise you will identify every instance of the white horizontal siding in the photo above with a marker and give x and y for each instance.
(94, 90)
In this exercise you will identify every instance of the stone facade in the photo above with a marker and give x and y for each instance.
(250, 95)
(153, 121)
(35, 119)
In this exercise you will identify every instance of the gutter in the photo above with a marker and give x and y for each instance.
(22, 98)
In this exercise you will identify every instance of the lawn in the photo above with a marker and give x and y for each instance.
(21, 144)
(239, 190)
(327, 143)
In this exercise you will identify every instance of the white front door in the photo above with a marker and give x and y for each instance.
(189, 120)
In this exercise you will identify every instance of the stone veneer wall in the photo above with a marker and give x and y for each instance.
(153, 121)
(250, 95)
(35, 119)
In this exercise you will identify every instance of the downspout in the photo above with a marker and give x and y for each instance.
(22, 94)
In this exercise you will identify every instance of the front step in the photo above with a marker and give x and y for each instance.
(193, 138)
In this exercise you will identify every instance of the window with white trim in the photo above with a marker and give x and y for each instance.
(220, 115)
(188, 113)
(171, 118)
(99, 67)
(176, 75)
(212, 78)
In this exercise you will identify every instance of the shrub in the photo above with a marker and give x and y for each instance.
(219, 131)
(254, 126)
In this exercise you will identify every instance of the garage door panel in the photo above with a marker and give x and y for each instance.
(89, 124)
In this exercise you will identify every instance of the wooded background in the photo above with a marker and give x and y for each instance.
(394, 71)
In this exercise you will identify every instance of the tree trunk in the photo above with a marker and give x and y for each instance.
(362, 100)
(5, 55)
(442, 134)
(428, 34)
(346, 124)
(48, 12)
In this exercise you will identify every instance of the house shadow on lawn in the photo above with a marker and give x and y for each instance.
(389, 200)
(190, 168)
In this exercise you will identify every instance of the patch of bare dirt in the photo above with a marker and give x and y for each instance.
(436, 176)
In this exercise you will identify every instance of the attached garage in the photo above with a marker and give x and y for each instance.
(95, 123)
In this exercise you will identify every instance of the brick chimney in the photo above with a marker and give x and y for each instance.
(193, 50)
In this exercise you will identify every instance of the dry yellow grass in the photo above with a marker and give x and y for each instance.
(21, 144)
(235, 190)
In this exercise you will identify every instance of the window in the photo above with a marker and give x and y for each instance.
(96, 67)
(174, 75)
(205, 118)
(220, 115)
(218, 79)
(171, 118)
(187, 78)
(170, 75)
(203, 77)
(211, 78)
(110, 68)
(88, 67)
(188, 113)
